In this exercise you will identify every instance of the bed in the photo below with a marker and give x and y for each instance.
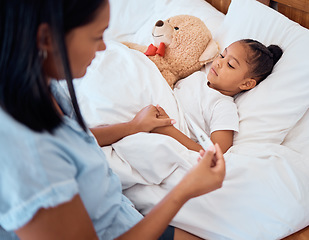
(266, 191)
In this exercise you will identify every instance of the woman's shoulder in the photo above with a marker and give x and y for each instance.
(19, 141)
(22, 147)
(11, 130)
(32, 170)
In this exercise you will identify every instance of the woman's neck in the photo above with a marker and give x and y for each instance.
(57, 106)
(49, 79)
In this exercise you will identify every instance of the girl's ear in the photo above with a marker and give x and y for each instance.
(248, 84)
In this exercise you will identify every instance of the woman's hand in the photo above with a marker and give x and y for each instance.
(144, 121)
(207, 175)
(149, 118)
(202, 178)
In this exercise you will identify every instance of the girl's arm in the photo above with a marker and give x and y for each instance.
(175, 133)
(224, 138)
(144, 121)
(179, 136)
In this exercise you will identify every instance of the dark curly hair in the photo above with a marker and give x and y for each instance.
(261, 59)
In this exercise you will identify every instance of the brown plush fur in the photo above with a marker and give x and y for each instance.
(191, 46)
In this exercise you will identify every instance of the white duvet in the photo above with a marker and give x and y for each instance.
(265, 194)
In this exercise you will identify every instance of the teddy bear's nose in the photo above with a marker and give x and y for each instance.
(159, 23)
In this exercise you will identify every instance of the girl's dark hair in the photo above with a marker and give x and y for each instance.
(24, 90)
(261, 59)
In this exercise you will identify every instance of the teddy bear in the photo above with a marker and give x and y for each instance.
(182, 45)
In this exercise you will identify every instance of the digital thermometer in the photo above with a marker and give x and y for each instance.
(202, 137)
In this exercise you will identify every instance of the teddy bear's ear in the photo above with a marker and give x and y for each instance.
(211, 51)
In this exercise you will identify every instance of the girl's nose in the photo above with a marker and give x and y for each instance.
(102, 46)
(218, 62)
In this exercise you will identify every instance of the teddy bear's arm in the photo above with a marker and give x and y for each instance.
(135, 46)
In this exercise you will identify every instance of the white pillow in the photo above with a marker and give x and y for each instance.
(298, 137)
(126, 17)
(133, 21)
(271, 109)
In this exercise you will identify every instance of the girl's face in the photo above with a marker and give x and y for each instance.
(83, 42)
(229, 70)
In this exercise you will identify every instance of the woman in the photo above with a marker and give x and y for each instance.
(55, 181)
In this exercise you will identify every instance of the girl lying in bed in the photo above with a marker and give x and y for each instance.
(241, 66)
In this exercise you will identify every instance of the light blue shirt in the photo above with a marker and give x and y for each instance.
(41, 170)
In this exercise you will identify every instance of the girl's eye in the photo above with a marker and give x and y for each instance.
(99, 38)
(176, 28)
(221, 55)
(230, 65)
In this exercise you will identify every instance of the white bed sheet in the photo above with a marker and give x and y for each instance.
(265, 194)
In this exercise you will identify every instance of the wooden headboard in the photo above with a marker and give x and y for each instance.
(296, 10)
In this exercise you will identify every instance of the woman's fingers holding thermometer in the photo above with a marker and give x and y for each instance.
(217, 154)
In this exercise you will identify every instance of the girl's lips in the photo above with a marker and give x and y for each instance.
(213, 71)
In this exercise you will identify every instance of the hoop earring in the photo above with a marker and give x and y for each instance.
(43, 54)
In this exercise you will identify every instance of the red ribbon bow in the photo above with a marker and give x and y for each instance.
(153, 50)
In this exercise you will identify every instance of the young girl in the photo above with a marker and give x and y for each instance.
(55, 182)
(240, 67)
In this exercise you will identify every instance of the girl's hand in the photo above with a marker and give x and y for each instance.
(148, 118)
(162, 113)
(206, 176)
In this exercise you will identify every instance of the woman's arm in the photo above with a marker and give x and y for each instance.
(203, 178)
(71, 221)
(144, 121)
(67, 221)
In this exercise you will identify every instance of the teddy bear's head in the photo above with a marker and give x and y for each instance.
(187, 46)
(182, 33)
